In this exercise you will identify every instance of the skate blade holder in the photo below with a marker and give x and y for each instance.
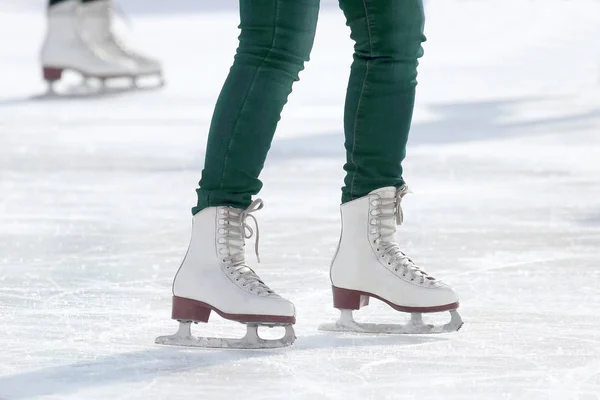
(251, 340)
(80, 84)
(347, 323)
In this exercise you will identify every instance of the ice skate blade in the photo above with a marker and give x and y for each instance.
(85, 91)
(346, 323)
(149, 81)
(251, 340)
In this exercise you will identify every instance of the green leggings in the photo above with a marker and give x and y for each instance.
(276, 39)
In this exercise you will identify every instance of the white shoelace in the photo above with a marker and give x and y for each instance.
(237, 230)
(388, 216)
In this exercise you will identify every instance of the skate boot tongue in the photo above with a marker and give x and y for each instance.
(389, 214)
(239, 231)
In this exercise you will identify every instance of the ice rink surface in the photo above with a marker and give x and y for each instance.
(504, 162)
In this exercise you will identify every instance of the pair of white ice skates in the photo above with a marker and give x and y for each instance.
(368, 263)
(80, 38)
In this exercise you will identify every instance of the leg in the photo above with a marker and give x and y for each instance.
(368, 262)
(276, 40)
(381, 91)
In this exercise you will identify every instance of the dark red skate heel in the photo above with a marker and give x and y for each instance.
(346, 299)
(189, 310)
(52, 74)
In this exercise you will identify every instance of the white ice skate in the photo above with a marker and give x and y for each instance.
(97, 17)
(67, 48)
(369, 263)
(214, 277)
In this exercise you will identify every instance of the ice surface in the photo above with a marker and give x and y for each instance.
(504, 160)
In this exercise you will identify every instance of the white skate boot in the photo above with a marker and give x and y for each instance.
(98, 18)
(65, 48)
(214, 277)
(369, 263)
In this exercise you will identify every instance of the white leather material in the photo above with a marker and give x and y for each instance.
(359, 265)
(203, 275)
(64, 47)
(97, 17)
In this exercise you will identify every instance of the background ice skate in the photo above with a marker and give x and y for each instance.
(504, 161)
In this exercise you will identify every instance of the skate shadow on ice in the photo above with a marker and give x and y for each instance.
(452, 123)
(85, 92)
(81, 92)
(330, 340)
(147, 365)
(115, 369)
(591, 220)
(497, 119)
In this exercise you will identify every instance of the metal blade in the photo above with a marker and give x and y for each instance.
(251, 340)
(346, 323)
